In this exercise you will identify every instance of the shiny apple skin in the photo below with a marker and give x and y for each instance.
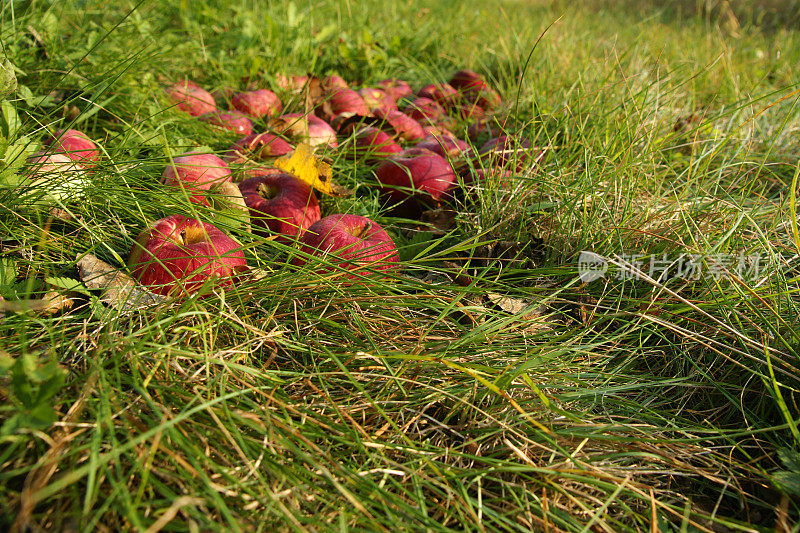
(167, 266)
(352, 242)
(197, 173)
(74, 144)
(287, 212)
(191, 98)
(258, 103)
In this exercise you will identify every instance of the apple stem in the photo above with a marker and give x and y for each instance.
(363, 233)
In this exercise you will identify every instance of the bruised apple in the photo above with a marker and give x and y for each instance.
(177, 255)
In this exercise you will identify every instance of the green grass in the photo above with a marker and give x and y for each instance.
(297, 401)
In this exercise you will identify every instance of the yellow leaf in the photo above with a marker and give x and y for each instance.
(304, 166)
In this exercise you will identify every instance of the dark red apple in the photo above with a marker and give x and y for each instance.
(445, 146)
(377, 99)
(424, 109)
(442, 93)
(397, 89)
(280, 204)
(177, 255)
(234, 121)
(196, 173)
(474, 89)
(258, 103)
(190, 97)
(74, 144)
(306, 128)
(467, 79)
(351, 242)
(257, 147)
(374, 145)
(416, 179)
(405, 127)
(342, 102)
(436, 130)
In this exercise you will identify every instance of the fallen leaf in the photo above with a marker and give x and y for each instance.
(304, 166)
(51, 303)
(119, 290)
(510, 305)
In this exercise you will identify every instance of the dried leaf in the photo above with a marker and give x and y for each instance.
(119, 290)
(304, 166)
(52, 303)
(510, 305)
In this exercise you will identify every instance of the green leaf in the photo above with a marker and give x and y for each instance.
(8, 79)
(788, 482)
(68, 284)
(11, 122)
(8, 271)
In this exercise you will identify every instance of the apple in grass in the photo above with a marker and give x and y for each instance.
(306, 128)
(376, 99)
(256, 147)
(292, 83)
(373, 145)
(191, 98)
(74, 144)
(258, 103)
(342, 102)
(403, 126)
(177, 255)
(474, 89)
(196, 173)
(443, 94)
(280, 204)
(53, 178)
(234, 121)
(351, 242)
(397, 89)
(425, 109)
(445, 145)
(414, 180)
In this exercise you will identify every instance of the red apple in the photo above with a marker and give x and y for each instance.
(333, 83)
(442, 93)
(467, 79)
(416, 179)
(196, 173)
(445, 146)
(258, 103)
(234, 121)
(350, 242)
(177, 255)
(191, 98)
(377, 99)
(397, 89)
(74, 144)
(474, 89)
(436, 130)
(374, 145)
(256, 147)
(478, 176)
(306, 128)
(401, 124)
(424, 109)
(281, 204)
(342, 102)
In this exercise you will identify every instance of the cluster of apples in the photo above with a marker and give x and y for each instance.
(406, 136)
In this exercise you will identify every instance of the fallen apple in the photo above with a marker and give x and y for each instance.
(258, 103)
(256, 147)
(342, 102)
(306, 128)
(333, 83)
(403, 126)
(280, 204)
(414, 180)
(397, 89)
(196, 173)
(474, 89)
(505, 151)
(445, 145)
(190, 97)
(373, 145)
(443, 94)
(234, 121)
(74, 144)
(53, 178)
(293, 83)
(424, 109)
(177, 255)
(377, 99)
(350, 242)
